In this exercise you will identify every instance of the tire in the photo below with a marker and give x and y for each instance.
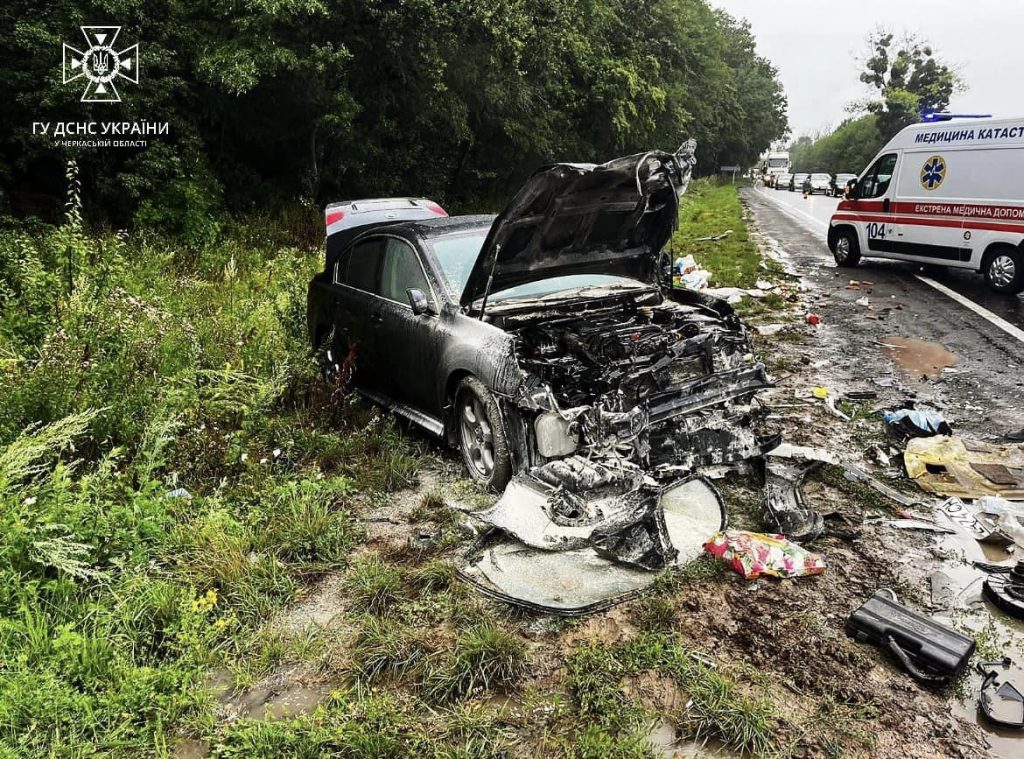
(847, 249)
(481, 435)
(1004, 271)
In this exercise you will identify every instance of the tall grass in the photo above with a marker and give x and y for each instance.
(166, 475)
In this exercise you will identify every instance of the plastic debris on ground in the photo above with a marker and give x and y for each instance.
(929, 651)
(785, 508)
(824, 394)
(955, 466)
(915, 422)
(686, 272)
(753, 554)
(1000, 701)
(1004, 587)
(813, 318)
(980, 528)
(713, 238)
(571, 570)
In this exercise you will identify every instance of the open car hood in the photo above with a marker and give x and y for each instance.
(574, 218)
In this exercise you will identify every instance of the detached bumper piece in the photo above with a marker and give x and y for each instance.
(571, 554)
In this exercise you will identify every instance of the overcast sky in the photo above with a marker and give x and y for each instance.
(815, 45)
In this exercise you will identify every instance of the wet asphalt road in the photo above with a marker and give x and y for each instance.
(969, 284)
(983, 391)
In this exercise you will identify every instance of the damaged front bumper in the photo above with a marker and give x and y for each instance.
(621, 406)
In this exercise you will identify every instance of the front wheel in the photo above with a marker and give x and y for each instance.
(847, 250)
(1004, 271)
(482, 435)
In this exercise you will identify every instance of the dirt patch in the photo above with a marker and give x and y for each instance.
(918, 358)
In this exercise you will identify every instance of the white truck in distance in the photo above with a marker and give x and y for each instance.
(774, 164)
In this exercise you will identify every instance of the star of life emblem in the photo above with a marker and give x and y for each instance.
(101, 64)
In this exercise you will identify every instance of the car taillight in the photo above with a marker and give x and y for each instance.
(437, 209)
(330, 217)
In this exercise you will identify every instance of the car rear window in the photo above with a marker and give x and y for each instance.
(456, 254)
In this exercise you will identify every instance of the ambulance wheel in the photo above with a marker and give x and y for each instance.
(1004, 271)
(847, 250)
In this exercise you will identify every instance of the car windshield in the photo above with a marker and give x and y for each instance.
(822, 177)
(456, 254)
(566, 285)
(777, 163)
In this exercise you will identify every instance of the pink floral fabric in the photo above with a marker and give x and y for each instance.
(753, 554)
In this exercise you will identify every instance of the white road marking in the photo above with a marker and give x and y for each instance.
(984, 313)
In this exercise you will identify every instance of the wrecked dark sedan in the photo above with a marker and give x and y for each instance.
(548, 338)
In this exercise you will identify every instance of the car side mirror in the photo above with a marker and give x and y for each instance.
(851, 188)
(418, 301)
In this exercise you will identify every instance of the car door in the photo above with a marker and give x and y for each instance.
(874, 204)
(357, 318)
(408, 341)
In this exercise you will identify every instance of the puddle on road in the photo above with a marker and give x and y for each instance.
(915, 358)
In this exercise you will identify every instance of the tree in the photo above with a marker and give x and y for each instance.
(847, 149)
(273, 103)
(907, 79)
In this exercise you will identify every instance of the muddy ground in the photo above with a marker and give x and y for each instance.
(782, 641)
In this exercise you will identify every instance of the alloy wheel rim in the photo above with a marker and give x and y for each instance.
(1003, 270)
(477, 435)
(842, 248)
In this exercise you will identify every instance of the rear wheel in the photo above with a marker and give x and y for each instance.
(1004, 271)
(482, 435)
(847, 250)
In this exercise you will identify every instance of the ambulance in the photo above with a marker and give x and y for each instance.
(948, 193)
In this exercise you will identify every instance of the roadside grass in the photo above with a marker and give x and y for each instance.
(171, 472)
(710, 208)
(716, 706)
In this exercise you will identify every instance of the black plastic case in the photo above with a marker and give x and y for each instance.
(929, 651)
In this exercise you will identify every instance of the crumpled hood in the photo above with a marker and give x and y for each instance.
(574, 218)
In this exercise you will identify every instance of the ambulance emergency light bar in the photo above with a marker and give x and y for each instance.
(929, 116)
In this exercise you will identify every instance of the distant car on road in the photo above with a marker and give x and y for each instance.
(820, 182)
(783, 181)
(796, 182)
(943, 193)
(838, 184)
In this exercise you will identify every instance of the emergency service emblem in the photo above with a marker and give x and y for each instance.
(101, 63)
(933, 173)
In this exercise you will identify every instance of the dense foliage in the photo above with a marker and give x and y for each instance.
(848, 149)
(275, 102)
(907, 80)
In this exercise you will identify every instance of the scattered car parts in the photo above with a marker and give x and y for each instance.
(1000, 701)
(1005, 589)
(571, 564)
